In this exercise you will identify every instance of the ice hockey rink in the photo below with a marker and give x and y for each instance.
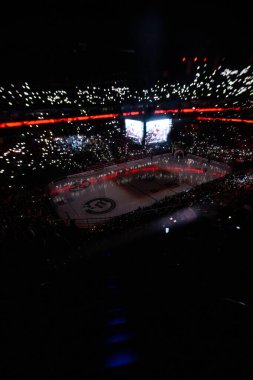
(97, 195)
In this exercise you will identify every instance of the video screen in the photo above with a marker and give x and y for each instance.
(157, 130)
(134, 130)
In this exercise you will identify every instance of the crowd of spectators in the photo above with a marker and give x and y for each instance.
(64, 149)
(56, 151)
(227, 142)
(215, 86)
(28, 218)
(32, 156)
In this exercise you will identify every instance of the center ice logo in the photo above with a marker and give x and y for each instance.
(99, 205)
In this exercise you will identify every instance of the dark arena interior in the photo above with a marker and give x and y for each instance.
(126, 177)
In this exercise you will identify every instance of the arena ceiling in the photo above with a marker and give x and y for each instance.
(82, 39)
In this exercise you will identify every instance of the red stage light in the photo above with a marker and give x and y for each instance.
(133, 113)
(53, 121)
(233, 120)
(13, 124)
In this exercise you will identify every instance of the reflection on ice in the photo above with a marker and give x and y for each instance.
(123, 188)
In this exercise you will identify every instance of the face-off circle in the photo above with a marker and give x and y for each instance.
(99, 206)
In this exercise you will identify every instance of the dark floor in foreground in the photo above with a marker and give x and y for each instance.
(173, 306)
